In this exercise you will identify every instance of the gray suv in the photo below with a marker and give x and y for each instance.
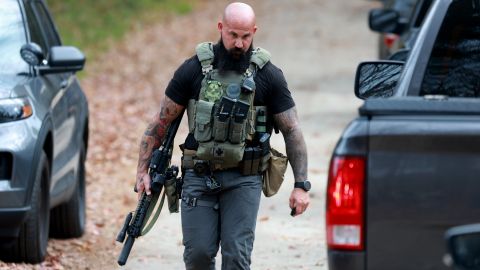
(43, 133)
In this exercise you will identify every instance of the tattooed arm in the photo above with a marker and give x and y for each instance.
(287, 122)
(153, 138)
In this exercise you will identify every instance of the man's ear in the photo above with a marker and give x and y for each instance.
(220, 26)
(255, 29)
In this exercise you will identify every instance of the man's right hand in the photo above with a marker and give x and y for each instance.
(143, 184)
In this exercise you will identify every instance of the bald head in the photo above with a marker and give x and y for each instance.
(237, 27)
(239, 13)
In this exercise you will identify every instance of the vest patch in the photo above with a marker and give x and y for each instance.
(214, 91)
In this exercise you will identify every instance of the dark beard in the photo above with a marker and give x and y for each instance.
(232, 60)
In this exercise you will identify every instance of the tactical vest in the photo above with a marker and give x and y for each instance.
(224, 118)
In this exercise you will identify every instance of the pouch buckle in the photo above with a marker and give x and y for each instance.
(207, 69)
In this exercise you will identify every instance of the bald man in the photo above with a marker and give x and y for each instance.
(233, 95)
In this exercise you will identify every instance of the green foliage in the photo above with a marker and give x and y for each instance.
(89, 24)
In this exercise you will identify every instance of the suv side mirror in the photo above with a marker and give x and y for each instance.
(66, 56)
(60, 58)
(463, 245)
(385, 21)
(377, 79)
(63, 59)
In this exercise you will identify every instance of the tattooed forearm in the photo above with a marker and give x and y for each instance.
(156, 130)
(287, 122)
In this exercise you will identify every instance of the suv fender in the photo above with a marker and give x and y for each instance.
(45, 140)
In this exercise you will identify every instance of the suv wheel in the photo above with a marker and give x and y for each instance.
(68, 220)
(31, 244)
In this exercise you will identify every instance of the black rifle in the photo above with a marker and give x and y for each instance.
(159, 171)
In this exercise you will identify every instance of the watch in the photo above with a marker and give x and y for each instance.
(305, 185)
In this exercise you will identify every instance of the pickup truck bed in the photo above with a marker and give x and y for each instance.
(423, 168)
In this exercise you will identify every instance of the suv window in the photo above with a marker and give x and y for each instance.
(34, 29)
(454, 65)
(44, 19)
(12, 37)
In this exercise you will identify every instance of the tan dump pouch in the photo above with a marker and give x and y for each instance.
(203, 121)
(173, 197)
(221, 155)
(274, 175)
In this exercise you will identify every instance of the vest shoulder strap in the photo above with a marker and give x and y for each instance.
(260, 57)
(205, 56)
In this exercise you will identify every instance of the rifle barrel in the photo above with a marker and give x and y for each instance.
(127, 247)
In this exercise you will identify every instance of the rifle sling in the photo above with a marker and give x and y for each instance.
(147, 227)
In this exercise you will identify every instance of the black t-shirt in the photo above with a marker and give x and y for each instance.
(271, 86)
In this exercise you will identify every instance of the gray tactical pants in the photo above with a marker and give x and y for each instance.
(226, 216)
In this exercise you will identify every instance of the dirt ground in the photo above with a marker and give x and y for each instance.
(317, 44)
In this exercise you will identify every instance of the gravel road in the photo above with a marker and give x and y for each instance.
(317, 44)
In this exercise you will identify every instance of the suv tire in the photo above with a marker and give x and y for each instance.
(68, 220)
(31, 244)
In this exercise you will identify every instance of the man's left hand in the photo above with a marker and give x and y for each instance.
(299, 199)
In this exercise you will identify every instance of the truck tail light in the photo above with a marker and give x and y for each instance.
(345, 203)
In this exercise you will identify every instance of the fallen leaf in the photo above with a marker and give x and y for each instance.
(264, 218)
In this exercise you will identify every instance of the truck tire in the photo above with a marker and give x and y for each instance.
(31, 244)
(68, 219)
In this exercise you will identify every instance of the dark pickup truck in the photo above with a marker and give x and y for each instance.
(408, 167)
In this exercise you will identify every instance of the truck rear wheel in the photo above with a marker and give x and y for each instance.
(68, 220)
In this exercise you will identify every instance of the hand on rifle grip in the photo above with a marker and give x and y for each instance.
(143, 184)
